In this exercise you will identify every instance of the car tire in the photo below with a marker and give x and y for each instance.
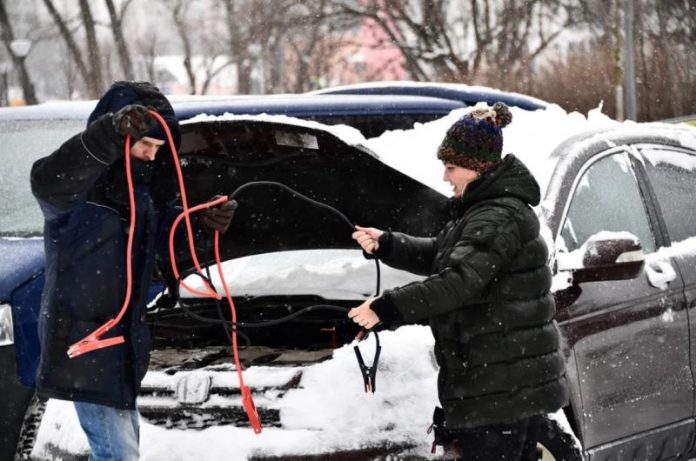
(555, 443)
(30, 428)
(15, 398)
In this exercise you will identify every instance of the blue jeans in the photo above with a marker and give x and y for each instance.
(113, 434)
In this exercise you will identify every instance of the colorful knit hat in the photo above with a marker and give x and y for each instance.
(475, 141)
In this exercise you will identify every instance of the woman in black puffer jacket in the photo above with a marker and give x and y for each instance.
(486, 297)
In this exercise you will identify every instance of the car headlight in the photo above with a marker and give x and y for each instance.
(6, 329)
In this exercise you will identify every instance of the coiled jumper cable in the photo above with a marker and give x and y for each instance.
(369, 372)
(94, 340)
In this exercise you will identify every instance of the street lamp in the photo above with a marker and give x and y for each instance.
(20, 47)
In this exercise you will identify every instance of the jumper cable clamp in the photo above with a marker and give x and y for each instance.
(93, 341)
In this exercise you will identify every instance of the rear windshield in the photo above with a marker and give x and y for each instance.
(22, 142)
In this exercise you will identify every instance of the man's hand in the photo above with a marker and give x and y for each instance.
(134, 120)
(367, 238)
(219, 217)
(363, 315)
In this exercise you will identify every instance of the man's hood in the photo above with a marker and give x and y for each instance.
(122, 94)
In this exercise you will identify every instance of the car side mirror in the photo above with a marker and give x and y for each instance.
(603, 258)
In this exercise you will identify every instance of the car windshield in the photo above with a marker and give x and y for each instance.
(23, 142)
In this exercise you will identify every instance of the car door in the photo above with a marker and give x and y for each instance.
(672, 175)
(629, 338)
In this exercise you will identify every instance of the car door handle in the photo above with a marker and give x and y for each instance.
(660, 273)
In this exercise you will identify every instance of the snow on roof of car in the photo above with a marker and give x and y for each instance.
(461, 91)
(532, 136)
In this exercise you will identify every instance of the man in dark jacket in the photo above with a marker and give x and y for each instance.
(487, 297)
(83, 193)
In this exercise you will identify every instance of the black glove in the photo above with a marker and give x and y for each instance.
(133, 120)
(218, 218)
(149, 95)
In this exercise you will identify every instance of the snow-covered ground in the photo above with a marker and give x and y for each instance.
(328, 411)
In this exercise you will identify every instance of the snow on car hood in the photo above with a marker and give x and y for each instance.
(331, 274)
(345, 133)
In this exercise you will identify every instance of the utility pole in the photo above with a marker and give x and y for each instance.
(629, 61)
(618, 60)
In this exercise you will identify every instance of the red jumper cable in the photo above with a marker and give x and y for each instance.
(94, 342)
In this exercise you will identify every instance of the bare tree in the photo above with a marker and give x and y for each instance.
(93, 86)
(198, 29)
(7, 38)
(317, 43)
(666, 57)
(179, 11)
(93, 52)
(147, 46)
(241, 30)
(466, 41)
(119, 40)
(591, 70)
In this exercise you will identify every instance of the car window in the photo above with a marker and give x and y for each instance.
(672, 174)
(607, 198)
(23, 142)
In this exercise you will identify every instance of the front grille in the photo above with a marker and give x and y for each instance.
(177, 394)
(201, 418)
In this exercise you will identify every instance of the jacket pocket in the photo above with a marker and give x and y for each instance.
(100, 372)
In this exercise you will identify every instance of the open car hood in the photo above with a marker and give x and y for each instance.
(219, 156)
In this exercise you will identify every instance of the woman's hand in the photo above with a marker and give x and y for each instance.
(363, 315)
(367, 238)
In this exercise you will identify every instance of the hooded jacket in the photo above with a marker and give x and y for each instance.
(82, 191)
(487, 300)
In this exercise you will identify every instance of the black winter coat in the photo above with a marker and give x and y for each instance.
(82, 192)
(488, 302)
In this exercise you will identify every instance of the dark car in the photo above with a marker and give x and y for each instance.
(688, 119)
(618, 208)
(628, 324)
